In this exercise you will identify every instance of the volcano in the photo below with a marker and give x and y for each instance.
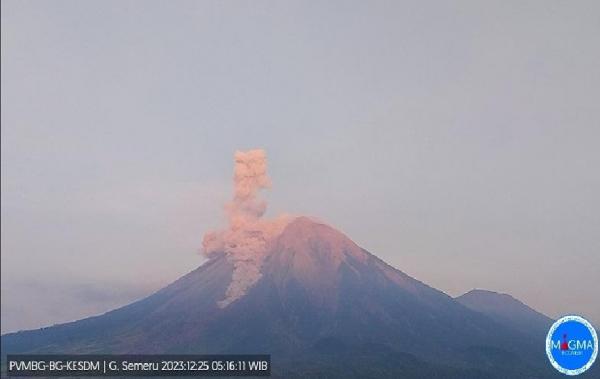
(321, 306)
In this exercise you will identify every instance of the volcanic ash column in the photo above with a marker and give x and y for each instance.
(245, 241)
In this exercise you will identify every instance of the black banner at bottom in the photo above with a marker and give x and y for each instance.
(138, 365)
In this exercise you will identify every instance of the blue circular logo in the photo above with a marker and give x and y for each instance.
(572, 345)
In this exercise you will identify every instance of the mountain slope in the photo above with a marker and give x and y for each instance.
(322, 306)
(507, 310)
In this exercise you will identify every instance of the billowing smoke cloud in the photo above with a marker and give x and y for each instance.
(245, 241)
(250, 176)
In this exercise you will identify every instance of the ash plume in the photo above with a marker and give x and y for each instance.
(245, 240)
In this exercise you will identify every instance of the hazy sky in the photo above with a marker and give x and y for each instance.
(459, 141)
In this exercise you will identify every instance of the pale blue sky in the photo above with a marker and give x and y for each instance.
(459, 141)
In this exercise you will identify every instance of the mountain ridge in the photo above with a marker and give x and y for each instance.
(507, 310)
(319, 296)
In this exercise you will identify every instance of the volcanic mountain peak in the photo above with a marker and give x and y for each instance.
(315, 301)
(307, 238)
(309, 250)
(301, 245)
(321, 305)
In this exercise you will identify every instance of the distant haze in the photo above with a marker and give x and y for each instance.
(458, 141)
